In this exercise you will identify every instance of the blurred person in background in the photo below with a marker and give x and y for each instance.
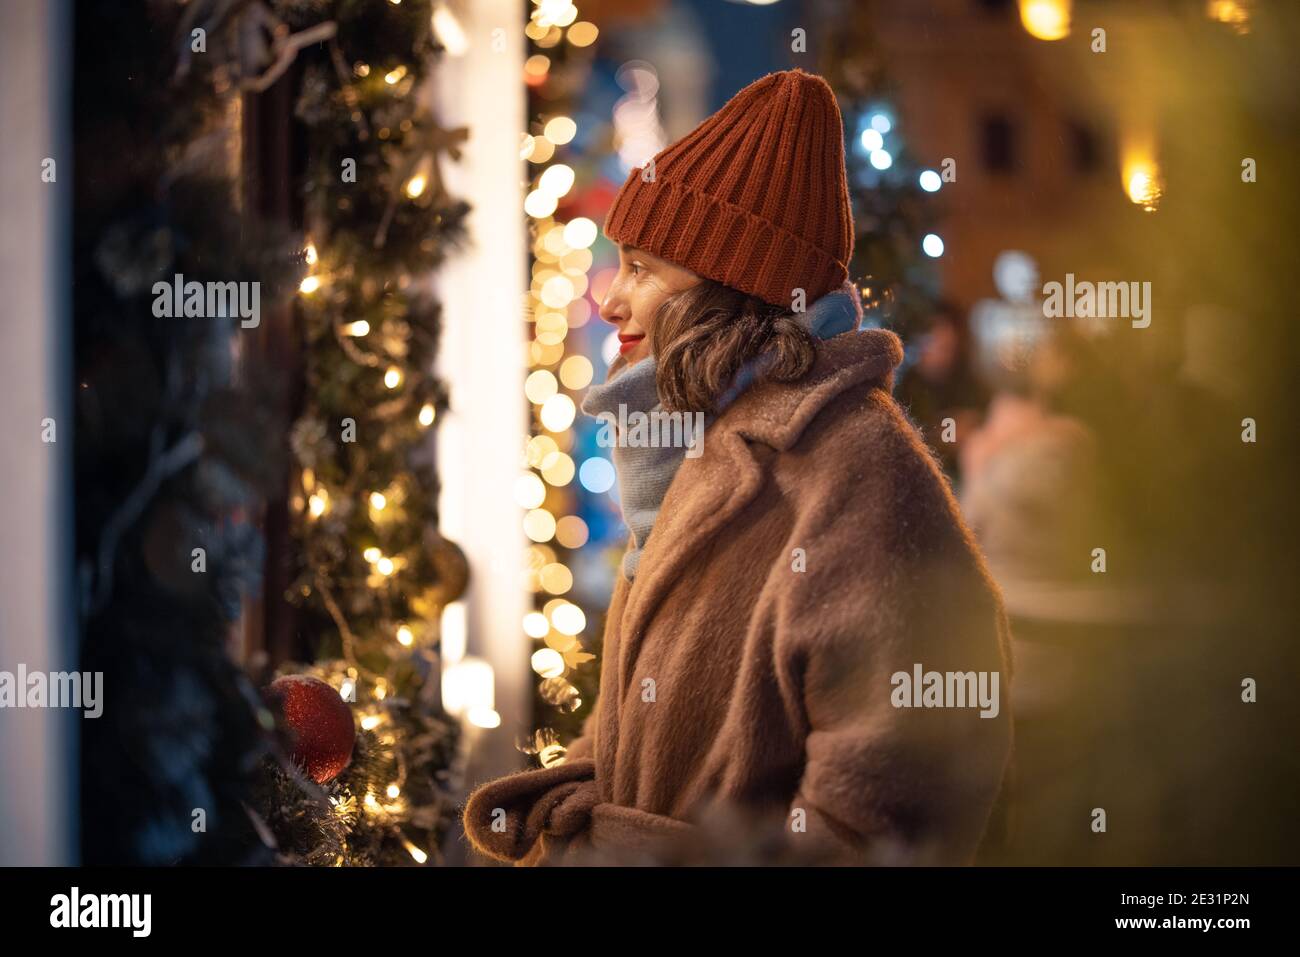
(940, 385)
(1103, 518)
(1030, 475)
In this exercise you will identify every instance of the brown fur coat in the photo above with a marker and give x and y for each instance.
(748, 710)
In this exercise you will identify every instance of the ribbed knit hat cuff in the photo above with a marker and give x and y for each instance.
(720, 241)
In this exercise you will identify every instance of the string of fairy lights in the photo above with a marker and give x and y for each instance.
(379, 692)
(391, 809)
(317, 496)
(556, 304)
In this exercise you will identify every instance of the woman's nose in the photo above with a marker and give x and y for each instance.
(611, 307)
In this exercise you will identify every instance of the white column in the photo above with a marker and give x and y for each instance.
(483, 359)
(38, 754)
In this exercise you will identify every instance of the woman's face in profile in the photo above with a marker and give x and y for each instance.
(641, 285)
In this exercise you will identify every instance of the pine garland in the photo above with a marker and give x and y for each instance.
(373, 574)
(176, 444)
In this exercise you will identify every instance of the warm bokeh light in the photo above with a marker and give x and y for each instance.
(1143, 186)
(558, 292)
(539, 204)
(583, 34)
(556, 180)
(553, 242)
(539, 525)
(560, 130)
(580, 233)
(536, 625)
(530, 492)
(556, 578)
(552, 327)
(1230, 12)
(571, 532)
(540, 386)
(319, 503)
(537, 65)
(542, 150)
(1046, 19)
(555, 13)
(548, 662)
(1138, 169)
(575, 263)
(568, 619)
(576, 372)
(483, 718)
(539, 446)
(558, 469)
(558, 413)
(544, 354)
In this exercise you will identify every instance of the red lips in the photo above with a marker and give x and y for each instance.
(628, 343)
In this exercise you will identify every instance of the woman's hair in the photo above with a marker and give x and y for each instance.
(703, 335)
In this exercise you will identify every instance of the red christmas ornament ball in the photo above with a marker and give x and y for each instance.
(320, 721)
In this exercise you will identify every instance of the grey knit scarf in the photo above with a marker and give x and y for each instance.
(648, 444)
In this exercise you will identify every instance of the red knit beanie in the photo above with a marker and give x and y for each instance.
(755, 197)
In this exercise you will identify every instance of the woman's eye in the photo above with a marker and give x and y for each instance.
(635, 268)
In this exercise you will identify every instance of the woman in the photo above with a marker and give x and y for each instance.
(790, 585)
